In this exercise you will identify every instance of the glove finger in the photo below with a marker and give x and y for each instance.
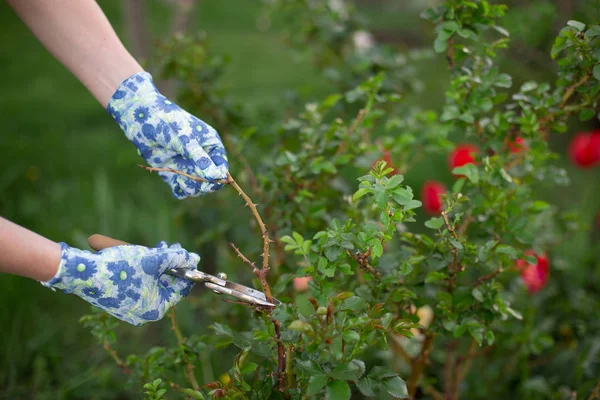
(211, 142)
(176, 287)
(159, 261)
(162, 245)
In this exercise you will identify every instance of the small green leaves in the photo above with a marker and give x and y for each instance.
(580, 26)
(434, 223)
(470, 171)
(154, 391)
(435, 276)
(360, 193)
(508, 250)
(587, 113)
(395, 386)
(348, 371)
(381, 379)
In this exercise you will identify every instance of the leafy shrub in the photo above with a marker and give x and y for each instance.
(397, 305)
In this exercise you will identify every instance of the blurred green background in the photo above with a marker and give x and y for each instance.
(67, 171)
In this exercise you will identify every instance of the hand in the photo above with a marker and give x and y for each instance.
(169, 137)
(129, 282)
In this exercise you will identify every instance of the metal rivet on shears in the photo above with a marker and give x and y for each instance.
(221, 275)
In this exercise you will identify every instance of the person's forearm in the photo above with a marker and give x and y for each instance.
(28, 254)
(78, 34)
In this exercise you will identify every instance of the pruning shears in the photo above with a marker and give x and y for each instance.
(218, 284)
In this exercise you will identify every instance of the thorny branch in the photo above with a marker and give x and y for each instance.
(260, 273)
(595, 392)
(418, 364)
(189, 367)
(359, 117)
(116, 357)
(461, 370)
(481, 280)
(571, 89)
(455, 264)
(174, 171)
(363, 261)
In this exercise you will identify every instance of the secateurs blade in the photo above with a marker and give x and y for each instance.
(218, 284)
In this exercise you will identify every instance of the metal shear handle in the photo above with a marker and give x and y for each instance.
(252, 296)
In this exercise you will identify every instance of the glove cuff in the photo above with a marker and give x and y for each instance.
(75, 266)
(133, 91)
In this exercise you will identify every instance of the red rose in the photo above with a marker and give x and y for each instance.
(518, 145)
(534, 276)
(430, 196)
(584, 149)
(461, 155)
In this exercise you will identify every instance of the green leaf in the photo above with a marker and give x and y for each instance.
(508, 250)
(489, 337)
(434, 223)
(586, 114)
(477, 295)
(515, 313)
(596, 72)
(288, 240)
(456, 244)
(298, 238)
(470, 171)
(477, 334)
(360, 193)
(367, 386)
(440, 45)
(580, 26)
(377, 248)
(529, 86)
(331, 100)
(395, 386)
(349, 371)
(394, 181)
(380, 373)
(412, 204)
(405, 269)
(316, 383)
(458, 185)
(434, 276)
(333, 253)
(504, 81)
(353, 303)
(337, 390)
(309, 367)
(194, 394)
(248, 367)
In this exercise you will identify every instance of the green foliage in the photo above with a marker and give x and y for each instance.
(399, 305)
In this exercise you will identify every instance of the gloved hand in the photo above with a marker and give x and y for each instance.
(129, 282)
(169, 137)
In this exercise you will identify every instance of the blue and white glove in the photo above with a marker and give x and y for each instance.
(169, 137)
(129, 282)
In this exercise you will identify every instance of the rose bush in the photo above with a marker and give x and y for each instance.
(461, 304)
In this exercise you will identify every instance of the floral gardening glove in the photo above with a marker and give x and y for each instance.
(169, 137)
(129, 282)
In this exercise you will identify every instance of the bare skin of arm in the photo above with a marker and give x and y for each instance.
(78, 34)
(26, 253)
